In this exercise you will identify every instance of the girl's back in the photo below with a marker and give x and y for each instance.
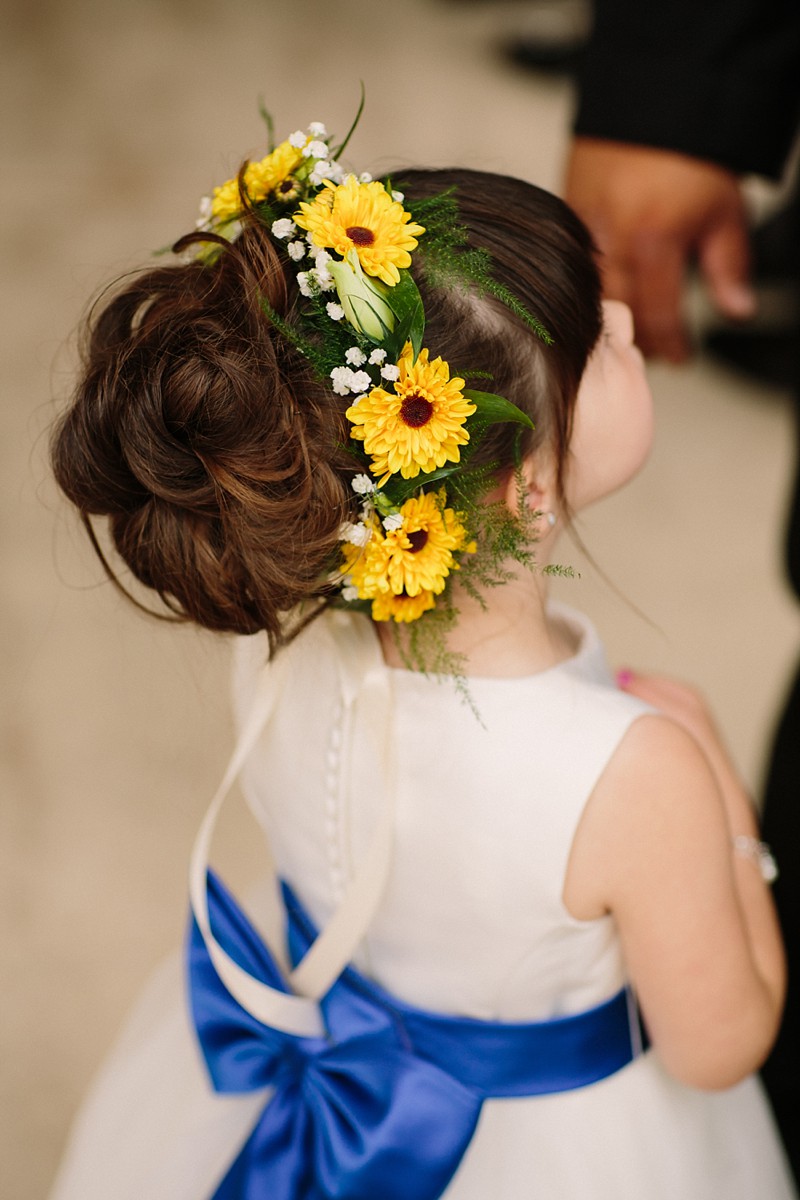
(216, 424)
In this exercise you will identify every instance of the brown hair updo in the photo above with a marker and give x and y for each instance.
(220, 459)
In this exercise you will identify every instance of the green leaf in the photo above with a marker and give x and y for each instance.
(406, 304)
(266, 117)
(492, 409)
(399, 490)
(335, 153)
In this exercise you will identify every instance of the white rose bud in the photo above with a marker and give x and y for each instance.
(362, 298)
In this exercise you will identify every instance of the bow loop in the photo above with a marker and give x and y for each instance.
(350, 1117)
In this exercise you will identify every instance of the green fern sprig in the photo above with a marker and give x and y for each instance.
(309, 350)
(422, 646)
(501, 293)
(335, 337)
(450, 261)
(561, 571)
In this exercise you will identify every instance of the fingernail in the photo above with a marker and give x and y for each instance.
(741, 300)
(624, 678)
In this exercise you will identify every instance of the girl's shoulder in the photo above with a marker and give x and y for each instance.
(654, 815)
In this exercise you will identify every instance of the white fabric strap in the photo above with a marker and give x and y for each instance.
(298, 1013)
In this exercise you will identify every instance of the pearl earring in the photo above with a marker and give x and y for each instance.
(546, 513)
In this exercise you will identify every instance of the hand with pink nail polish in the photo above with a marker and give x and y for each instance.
(686, 707)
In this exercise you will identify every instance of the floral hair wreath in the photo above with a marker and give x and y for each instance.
(361, 324)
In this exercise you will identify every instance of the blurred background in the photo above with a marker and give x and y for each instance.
(117, 117)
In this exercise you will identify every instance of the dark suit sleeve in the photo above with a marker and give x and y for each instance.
(717, 79)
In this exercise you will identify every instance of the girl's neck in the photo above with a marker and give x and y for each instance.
(512, 636)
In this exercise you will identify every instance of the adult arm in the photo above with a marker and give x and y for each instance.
(676, 100)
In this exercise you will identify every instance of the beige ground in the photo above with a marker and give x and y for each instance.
(116, 117)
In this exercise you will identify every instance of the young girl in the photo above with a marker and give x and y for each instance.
(284, 450)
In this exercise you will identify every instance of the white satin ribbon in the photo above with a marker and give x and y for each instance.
(364, 678)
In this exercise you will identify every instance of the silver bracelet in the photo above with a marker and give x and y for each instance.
(759, 854)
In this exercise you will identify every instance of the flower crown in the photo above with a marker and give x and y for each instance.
(361, 323)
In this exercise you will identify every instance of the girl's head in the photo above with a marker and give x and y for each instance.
(218, 456)
(613, 426)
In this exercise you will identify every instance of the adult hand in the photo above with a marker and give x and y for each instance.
(651, 212)
(688, 708)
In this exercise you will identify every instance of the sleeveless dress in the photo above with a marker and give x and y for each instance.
(486, 799)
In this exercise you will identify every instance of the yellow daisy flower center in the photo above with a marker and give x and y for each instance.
(418, 538)
(416, 410)
(360, 236)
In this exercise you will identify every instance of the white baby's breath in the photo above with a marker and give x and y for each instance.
(297, 139)
(357, 535)
(315, 149)
(296, 250)
(321, 273)
(335, 311)
(390, 372)
(359, 381)
(321, 172)
(304, 283)
(283, 228)
(346, 380)
(377, 356)
(392, 522)
(317, 130)
(324, 280)
(355, 356)
(204, 213)
(362, 485)
(340, 378)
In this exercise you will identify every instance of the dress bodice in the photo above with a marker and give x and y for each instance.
(486, 808)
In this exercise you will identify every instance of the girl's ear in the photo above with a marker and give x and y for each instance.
(534, 486)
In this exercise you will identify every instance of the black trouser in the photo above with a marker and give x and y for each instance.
(781, 828)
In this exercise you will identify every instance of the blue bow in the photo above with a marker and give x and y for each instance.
(356, 1115)
(385, 1105)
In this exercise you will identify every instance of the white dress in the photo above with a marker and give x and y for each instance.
(472, 923)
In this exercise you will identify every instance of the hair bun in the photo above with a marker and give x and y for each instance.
(208, 443)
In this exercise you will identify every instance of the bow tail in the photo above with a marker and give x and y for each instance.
(275, 1162)
(387, 1125)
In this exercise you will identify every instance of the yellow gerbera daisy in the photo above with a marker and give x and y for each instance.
(362, 217)
(420, 553)
(401, 608)
(419, 426)
(260, 179)
(367, 566)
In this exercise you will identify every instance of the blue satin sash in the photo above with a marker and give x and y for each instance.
(384, 1106)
